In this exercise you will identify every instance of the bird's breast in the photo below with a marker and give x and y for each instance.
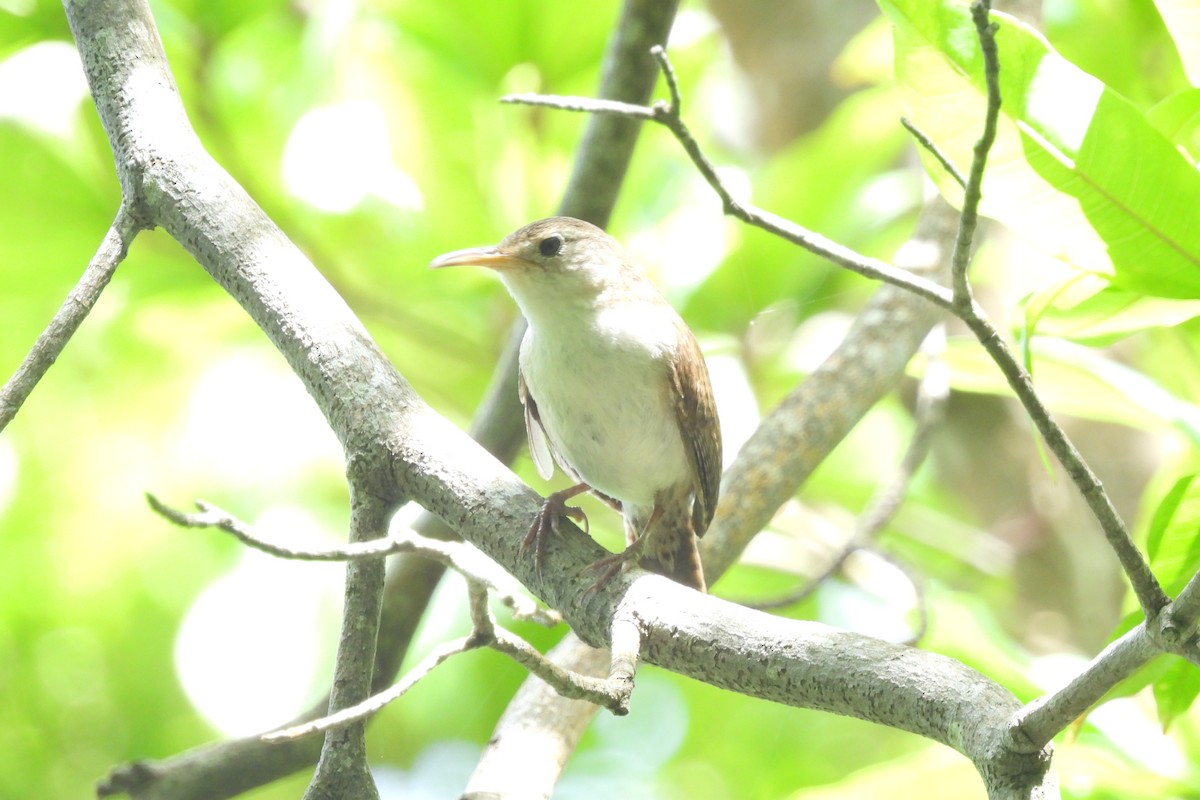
(603, 397)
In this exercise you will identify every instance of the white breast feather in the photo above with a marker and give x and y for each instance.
(604, 403)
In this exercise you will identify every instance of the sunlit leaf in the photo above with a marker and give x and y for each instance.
(1173, 542)
(1089, 310)
(1077, 380)
(1178, 118)
(1176, 690)
(1076, 167)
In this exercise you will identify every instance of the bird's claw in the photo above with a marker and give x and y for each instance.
(553, 509)
(611, 566)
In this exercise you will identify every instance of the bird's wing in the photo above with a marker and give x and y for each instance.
(696, 413)
(539, 442)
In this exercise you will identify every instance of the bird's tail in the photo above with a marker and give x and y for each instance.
(672, 549)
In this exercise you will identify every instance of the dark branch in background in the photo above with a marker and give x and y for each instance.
(932, 391)
(70, 315)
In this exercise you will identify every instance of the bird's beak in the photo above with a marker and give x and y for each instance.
(490, 257)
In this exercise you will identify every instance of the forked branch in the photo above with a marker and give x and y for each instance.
(958, 300)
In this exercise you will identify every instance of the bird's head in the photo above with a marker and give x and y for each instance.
(553, 264)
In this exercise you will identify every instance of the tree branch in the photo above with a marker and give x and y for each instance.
(1150, 594)
(612, 693)
(70, 315)
(1041, 720)
(932, 391)
(343, 769)
(538, 732)
(928, 145)
(404, 449)
(461, 557)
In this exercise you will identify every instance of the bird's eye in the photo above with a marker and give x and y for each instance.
(550, 246)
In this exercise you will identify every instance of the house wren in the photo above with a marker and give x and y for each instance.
(615, 390)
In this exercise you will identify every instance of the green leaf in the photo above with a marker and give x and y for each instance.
(1175, 690)
(1178, 118)
(1076, 168)
(1076, 380)
(1173, 544)
(1087, 309)
(1173, 541)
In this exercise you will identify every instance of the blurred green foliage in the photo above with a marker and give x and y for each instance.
(371, 133)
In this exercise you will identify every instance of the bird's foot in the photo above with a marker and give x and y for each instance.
(611, 566)
(553, 509)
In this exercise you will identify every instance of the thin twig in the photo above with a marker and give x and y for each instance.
(368, 707)
(70, 315)
(459, 556)
(608, 693)
(1150, 594)
(968, 218)
(934, 151)
(210, 516)
(750, 214)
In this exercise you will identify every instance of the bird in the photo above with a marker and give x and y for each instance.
(615, 391)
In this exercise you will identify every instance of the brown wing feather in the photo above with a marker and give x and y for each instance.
(697, 415)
